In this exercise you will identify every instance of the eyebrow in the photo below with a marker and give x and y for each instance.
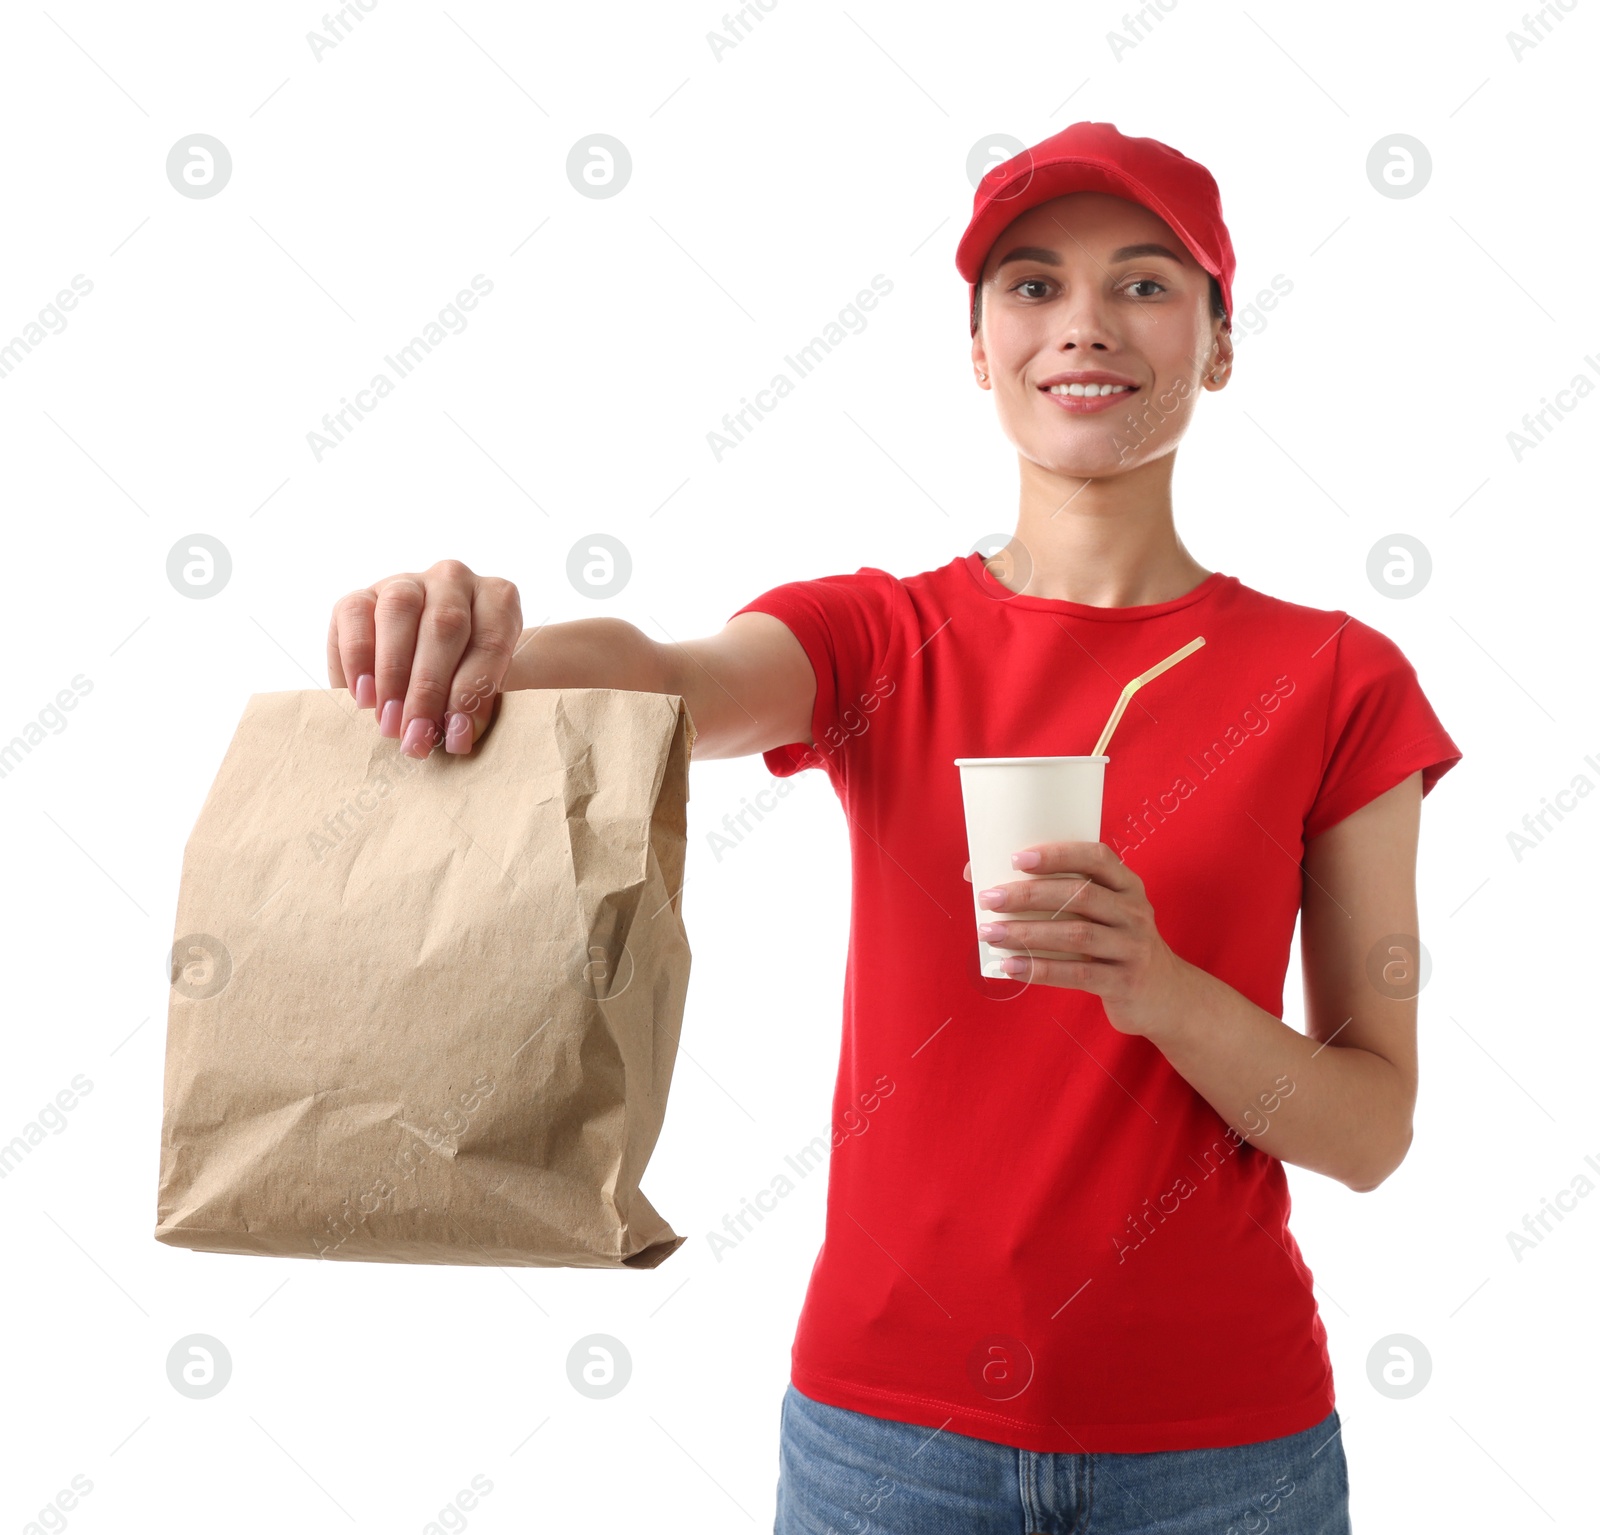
(1047, 257)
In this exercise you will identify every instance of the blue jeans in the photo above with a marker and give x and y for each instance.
(844, 1473)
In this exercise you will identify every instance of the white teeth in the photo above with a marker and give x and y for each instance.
(1090, 391)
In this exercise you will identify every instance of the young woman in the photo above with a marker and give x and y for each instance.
(1057, 1289)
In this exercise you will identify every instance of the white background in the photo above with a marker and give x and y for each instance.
(767, 189)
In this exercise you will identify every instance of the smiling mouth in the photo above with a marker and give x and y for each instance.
(1087, 399)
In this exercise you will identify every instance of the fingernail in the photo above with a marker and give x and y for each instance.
(389, 720)
(458, 733)
(419, 738)
(1024, 860)
(993, 929)
(366, 691)
(1014, 966)
(991, 897)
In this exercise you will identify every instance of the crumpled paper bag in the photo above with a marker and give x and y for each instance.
(427, 1012)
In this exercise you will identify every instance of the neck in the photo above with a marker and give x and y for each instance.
(1109, 543)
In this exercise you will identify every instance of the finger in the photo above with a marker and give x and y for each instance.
(1073, 974)
(1052, 940)
(464, 727)
(1057, 893)
(351, 643)
(1075, 898)
(496, 628)
(335, 669)
(1095, 860)
(443, 632)
(396, 613)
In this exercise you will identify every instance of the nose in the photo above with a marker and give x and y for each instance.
(1083, 321)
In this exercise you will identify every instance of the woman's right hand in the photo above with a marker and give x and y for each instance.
(429, 652)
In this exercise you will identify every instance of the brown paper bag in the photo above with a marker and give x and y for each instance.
(427, 1012)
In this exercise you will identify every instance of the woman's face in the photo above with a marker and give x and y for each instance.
(1073, 286)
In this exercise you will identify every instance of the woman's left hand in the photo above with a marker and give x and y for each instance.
(1102, 938)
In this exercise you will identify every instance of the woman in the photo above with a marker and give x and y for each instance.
(1057, 1290)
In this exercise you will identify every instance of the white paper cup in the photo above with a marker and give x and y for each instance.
(1016, 802)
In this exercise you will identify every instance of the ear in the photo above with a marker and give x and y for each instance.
(1221, 369)
(980, 363)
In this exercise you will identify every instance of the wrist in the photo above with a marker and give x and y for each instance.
(1178, 1003)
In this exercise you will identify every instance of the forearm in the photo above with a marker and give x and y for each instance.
(1337, 1110)
(589, 653)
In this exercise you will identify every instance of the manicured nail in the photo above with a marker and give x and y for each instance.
(389, 720)
(991, 897)
(366, 691)
(419, 738)
(1024, 860)
(458, 733)
(1013, 966)
(993, 929)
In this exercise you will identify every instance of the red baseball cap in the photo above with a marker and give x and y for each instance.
(1094, 157)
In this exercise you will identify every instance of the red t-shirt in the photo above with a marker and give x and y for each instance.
(1038, 1233)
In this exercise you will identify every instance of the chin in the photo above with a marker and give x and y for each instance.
(1097, 460)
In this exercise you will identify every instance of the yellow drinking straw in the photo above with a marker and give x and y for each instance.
(1137, 683)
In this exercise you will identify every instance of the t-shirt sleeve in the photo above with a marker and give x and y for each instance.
(842, 622)
(1381, 728)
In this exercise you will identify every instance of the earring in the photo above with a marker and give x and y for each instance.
(983, 378)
